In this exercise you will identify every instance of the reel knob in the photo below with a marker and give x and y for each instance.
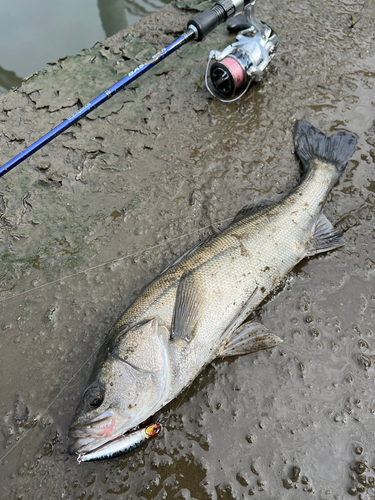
(238, 23)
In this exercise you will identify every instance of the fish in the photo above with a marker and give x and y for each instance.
(122, 444)
(195, 310)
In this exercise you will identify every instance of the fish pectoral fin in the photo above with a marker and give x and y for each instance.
(248, 338)
(325, 237)
(188, 308)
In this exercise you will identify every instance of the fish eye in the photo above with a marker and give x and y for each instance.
(93, 397)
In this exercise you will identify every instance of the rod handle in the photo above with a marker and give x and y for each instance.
(207, 21)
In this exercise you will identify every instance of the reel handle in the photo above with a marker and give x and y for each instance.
(239, 23)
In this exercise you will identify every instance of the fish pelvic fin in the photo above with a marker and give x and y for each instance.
(248, 338)
(325, 237)
(310, 143)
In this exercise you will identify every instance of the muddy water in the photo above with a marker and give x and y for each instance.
(33, 33)
(134, 186)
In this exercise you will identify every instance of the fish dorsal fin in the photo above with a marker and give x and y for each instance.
(185, 254)
(251, 209)
(188, 252)
(325, 237)
(188, 308)
(249, 338)
(141, 346)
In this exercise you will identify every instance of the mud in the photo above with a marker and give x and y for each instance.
(94, 216)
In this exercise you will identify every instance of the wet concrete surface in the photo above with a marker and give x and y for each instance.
(94, 216)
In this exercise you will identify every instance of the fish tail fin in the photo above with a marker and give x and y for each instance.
(310, 143)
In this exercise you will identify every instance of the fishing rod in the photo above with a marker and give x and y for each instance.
(197, 29)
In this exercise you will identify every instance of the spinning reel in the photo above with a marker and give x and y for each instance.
(230, 73)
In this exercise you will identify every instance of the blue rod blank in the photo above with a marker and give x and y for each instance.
(129, 78)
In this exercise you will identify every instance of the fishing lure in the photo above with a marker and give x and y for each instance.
(121, 445)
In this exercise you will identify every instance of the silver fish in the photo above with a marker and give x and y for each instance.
(193, 312)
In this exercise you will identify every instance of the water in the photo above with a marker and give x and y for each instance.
(34, 33)
(135, 185)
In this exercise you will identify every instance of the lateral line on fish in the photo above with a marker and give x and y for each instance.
(114, 260)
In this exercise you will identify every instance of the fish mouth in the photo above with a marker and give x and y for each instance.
(96, 433)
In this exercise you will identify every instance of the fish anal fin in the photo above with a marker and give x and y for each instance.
(249, 338)
(188, 308)
(325, 237)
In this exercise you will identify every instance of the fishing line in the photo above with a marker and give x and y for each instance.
(54, 399)
(105, 339)
(35, 288)
(160, 420)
